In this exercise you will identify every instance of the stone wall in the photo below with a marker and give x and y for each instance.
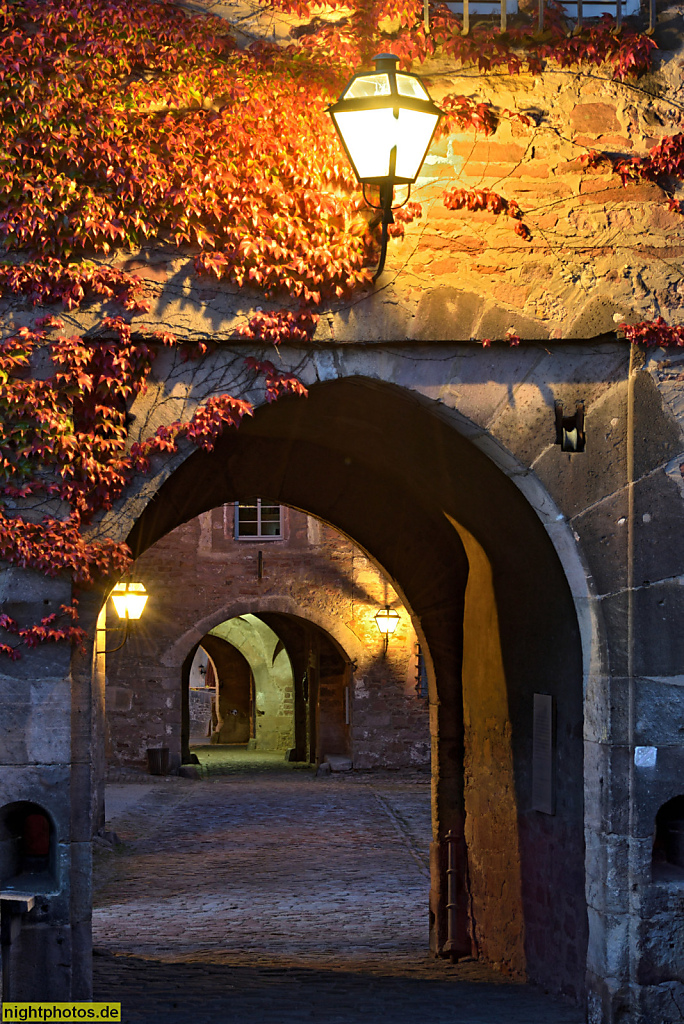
(473, 438)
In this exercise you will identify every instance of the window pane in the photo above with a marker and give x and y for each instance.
(270, 520)
(248, 521)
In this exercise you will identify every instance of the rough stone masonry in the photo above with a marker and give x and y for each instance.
(527, 571)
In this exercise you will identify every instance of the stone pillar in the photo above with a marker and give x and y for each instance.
(45, 751)
(635, 967)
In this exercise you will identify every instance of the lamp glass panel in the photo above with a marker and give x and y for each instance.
(368, 85)
(370, 135)
(387, 621)
(129, 606)
(409, 86)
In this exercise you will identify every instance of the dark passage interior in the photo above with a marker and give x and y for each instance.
(390, 471)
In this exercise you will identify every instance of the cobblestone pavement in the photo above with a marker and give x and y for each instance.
(264, 894)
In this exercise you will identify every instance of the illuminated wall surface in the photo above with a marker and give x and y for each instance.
(544, 587)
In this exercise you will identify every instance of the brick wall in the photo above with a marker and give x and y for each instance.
(199, 577)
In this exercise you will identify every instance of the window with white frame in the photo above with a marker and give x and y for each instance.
(590, 8)
(257, 520)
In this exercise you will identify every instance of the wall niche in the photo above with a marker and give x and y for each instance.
(28, 854)
(668, 845)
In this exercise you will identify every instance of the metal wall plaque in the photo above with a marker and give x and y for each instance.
(543, 789)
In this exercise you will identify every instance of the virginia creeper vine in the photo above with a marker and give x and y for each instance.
(124, 125)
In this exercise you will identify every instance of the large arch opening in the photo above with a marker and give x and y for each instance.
(390, 471)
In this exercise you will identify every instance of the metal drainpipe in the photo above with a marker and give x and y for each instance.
(451, 944)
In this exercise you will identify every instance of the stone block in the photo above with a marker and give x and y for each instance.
(607, 873)
(658, 529)
(663, 1003)
(24, 586)
(35, 720)
(447, 312)
(657, 435)
(121, 699)
(607, 778)
(661, 948)
(496, 322)
(606, 712)
(49, 661)
(81, 798)
(658, 711)
(81, 882)
(595, 118)
(41, 965)
(658, 641)
(338, 763)
(608, 999)
(594, 319)
(527, 425)
(608, 947)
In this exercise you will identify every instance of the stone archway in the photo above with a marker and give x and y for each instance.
(396, 472)
(308, 642)
(391, 471)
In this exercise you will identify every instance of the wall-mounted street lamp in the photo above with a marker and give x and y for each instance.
(129, 600)
(386, 121)
(387, 621)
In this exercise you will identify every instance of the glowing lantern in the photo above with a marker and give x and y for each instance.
(129, 600)
(386, 121)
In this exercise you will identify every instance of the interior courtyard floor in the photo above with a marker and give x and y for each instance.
(261, 892)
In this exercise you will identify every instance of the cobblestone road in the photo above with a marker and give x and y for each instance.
(264, 894)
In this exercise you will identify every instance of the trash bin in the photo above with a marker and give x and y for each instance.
(158, 760)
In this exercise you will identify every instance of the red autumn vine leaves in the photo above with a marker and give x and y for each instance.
(361, 28)
(126, 124)
(65, 439)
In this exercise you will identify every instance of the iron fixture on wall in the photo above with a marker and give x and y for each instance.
(570, 434)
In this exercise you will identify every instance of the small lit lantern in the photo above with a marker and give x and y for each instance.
(387, 621)
(129, 600)
(386, 121)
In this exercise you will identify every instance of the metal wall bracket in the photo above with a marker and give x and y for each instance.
(570, 433)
